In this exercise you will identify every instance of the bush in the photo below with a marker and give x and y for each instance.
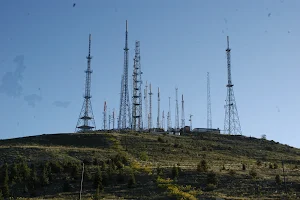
(131, 181)
(98, 179)
(66, 186)
(271, 166)
(211, 187)
(253, 173)
(202, 166)
(120, 176)
(258, 163)
(175, 172)
(212, 178)
(1, 195)
(244, 167)
(159, 139)
(232, 172)
(275, 166)
(144, 156)
(278, 179)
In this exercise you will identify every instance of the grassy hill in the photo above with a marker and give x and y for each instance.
(148, 166)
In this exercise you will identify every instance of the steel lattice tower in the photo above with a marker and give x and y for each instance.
(150, 107)
(158, 110)
(169, 116)
(86, 121)
(113, 119)
(182, 114)
(146, 106)
(137, 115)
(124, 113)
(232, 122)
(105, 116)
(209, 117)
(176, 111)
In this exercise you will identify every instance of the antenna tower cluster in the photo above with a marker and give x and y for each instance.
(232, 122)
(137, 114)
(86, 121)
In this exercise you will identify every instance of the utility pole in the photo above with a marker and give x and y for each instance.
(209, 117)
(86, 114)
(232, 122)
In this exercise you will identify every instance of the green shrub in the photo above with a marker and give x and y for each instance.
(275, 166)
(232, 172)
(131, 181)
(253, 173)
(98, 179)
(212, 178)
(278, 179)
(211, 187)
(202, 166)
(175, 172)
(144, 156)
(244, 167)
(159, 139)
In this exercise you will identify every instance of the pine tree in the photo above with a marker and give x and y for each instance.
(175, 172)
(131, 181)
(1, 196)
(97, 194)
(34, 181)
(44, 177)
(98, 179)
(5, 187)
(25, 171)
(14, 175)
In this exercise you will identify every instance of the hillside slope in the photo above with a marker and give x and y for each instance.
(148, 166)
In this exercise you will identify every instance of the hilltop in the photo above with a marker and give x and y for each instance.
(148, 166)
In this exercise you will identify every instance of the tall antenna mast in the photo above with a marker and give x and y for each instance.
(150, 108)
(124, 113)
(146, 106)
(104, 116)
(191, 122)
(137, 114)
(158, 110)
(86, 114)
(113, 119)
(232, 122)
(169, 116)
(163, 120)
(109, 119)
(209, 117)
(182, 114)
(176, 112)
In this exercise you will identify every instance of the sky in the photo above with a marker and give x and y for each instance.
(44, 45)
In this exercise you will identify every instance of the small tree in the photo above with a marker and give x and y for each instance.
(175, 172)
(264, 136)
(5, 187)
(44, 178)
(275, 166)
(212, 178)
(131, 181)
(1, 195)
(202, 166)
(244, 167)
(98, 179)
(278, 179)
(253, 173)
(14, 175)
(97, 194)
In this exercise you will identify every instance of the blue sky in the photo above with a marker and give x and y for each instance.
(44, 45)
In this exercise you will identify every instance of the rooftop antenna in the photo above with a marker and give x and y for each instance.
(209, 117)
(232, 122)
(86, 114)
